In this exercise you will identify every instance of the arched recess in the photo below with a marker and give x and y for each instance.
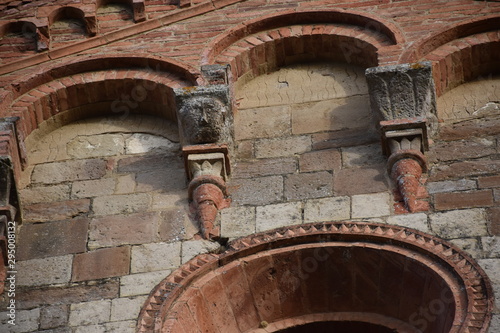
(461, 53)
(263, 45)
(111, 13)
(68, 24)
(17, 37)
(329, 273)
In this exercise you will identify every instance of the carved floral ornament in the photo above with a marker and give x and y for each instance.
(375, 274)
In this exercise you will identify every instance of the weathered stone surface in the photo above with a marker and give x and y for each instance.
(120, 326)
(461, 170)
(173, 223)
(362, 156)
(345, 138)
(264, 167)
(414, 221)
(93, 188)
(91, 329)
(471, 128)
(75, 294)
(266, 122)
(121, 204)
(237, 221)
(458, 200)
(125, 184)
(55, 211)
(327, 209)
(52, 239)
(37, 272)
(149, 162)
(54, 316)
(308, 185)
(26, 321)
(463, 149)
(256, 191)
(102, 263)
(58, 172)
(492, 269)
(141, 284)
(494, 221)
(96, 146)
(491, 246)
(331, 115)
(472, 223)
(90, 313)
(328, 160)
(35, 195)
(166, 179)
(155, 257)
(451, 186)
(126, 308)
(191, 249)
(279, 215)
(360, 180)
(289, 146)
(489, 182)
(139, 143)
(370, 205)
(117, 230)
(469, 245)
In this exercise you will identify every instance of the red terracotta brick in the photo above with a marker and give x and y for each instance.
(100, 264)
(494, 223)
(489, 182)
(458, 200)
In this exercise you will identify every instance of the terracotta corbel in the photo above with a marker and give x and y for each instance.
(404, 141)
(207, 167)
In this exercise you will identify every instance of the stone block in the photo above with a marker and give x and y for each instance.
(38, 297)
(494, 221)
(321, 160)
(451, 186)
(55, 211)
(173, 223)
(308, 185)
(142, 283)
(102, 263)
(93, 188)
(459, 170)
(161, 201)
(26, 321)
(95, 146)
(166, 180)
(58, 172)
(125, 184)
(278, 215)
(345, 138)
(416, 221)
(331, 115)
(469, 245)
(360, 180)
(492, 269)
(191, 249)
(472, 223)
(256, 191)
(289, 146)
(118, 230)
(327, 209)
(121, 327)
(266, 122)
(52, 239)
(491, 246)
(489, 182)
(38, 272)
(237, 221)
(90, 313)
(54, 316)
(362, 156)
(460, 150)
(265, 167)
(149, 162)
(121, 204)
(155, 257)
(40, 194)
(371, 205)
(139, 143)
(458, 200)
(91, 329)
(126, 308)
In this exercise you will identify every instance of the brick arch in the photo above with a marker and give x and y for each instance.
(329, 272)
(460, 53)
(262, 45)
(24, 42)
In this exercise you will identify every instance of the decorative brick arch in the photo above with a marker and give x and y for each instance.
(335, 272)
(460, 53)
(262, 45)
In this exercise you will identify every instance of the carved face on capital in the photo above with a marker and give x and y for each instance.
(202, 120)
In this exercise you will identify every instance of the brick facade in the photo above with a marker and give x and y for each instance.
(361, 122)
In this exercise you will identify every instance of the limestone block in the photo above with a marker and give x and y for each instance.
(26, 321)
(191, 249)
(414, 221)
(126, 308)
(95, 146)
(37, 272)
(55, 211)
(125, 184)
(90, 313)
(121, 326)
(371, 205)
(469, 245)
(362, 156)
(327, 209)
(278, 215)
(34, 195)
(91, 329)
(237, 221)
(102, 263)
(58, 172)
(278, 147)
(451, 186)
(54, 316)
(266, 122)
(327, 159)
(142, 283)
(93, 188)
(492, 269)
(491, 246)
(350, 181)
(473, 222)
(121, 204)
(256, 191)
(155, 257)
(167, 180)
(140, 143)
(308, 185)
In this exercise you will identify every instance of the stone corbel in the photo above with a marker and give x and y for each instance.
(139, 10)
(405, 141)
(207, 167)
(216, 74)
